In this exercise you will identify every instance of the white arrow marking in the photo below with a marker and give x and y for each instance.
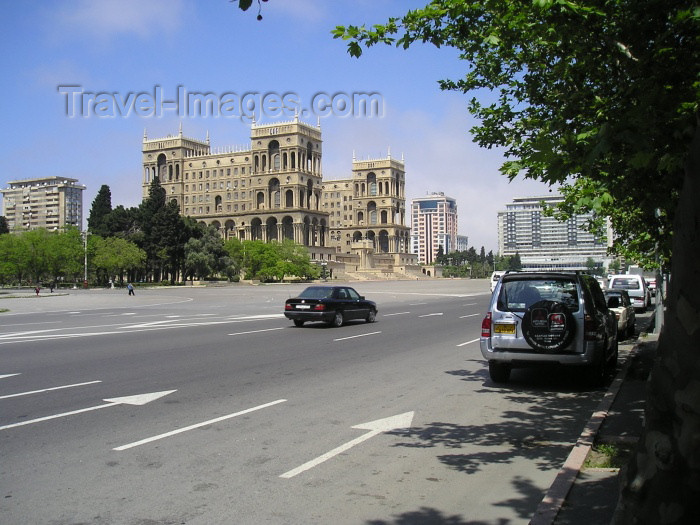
(141, 399)
(8, 375)
(198, 425)
(375, 427)
(48, 389)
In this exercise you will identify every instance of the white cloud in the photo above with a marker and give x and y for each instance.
(107, 19)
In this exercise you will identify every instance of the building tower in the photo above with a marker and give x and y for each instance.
(268, 190)
(433, 225)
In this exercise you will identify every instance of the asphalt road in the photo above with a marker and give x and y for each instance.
(207, 406)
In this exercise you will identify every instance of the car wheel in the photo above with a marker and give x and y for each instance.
(371, 316)
(499, 372)
(298, 323)
(630, 331)
(338, 319)
(611, 367)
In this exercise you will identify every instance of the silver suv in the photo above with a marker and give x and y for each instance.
(542, 318)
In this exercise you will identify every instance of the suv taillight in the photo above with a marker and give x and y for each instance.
(486, 326)
(590, 333)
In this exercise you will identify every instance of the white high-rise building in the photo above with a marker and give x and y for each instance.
(433, 224)
(545, 243)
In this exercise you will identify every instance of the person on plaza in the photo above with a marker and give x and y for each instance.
(36, 289)
(130, 287)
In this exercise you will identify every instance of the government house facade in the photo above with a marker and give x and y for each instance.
(274, 189)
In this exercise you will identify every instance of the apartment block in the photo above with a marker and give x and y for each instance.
(433, 225)
(45, 202)
(545, 243)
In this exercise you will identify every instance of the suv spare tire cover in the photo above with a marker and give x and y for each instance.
(548, 326)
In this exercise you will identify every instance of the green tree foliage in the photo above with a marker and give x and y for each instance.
(4, 228)
(114, 257)
(100, 210)
(270, 261)
(205, 256)
(598, 96)
(40, 256)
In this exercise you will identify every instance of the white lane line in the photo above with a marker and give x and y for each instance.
(354, 336)
(397, 313)
(31, 324)
(469, 304)
(430, 315)
(468, 342)
(7, 375)
(198, 425)
(19, 394)
(416, 304)
(470, 315)
(258, 331)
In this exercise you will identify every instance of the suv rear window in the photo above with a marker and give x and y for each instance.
(519, 295)
(625, 284)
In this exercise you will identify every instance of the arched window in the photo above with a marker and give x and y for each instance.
(372, 184)
(274, 192)
(289, 199)
(261, 200)
(372, 211)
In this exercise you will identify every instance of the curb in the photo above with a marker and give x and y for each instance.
(552, 502)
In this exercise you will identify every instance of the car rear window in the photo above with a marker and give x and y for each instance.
(519, 295)
(625, 284)
(316, 292)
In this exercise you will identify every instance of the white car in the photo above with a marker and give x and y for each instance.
(495, 277)
(636, 288)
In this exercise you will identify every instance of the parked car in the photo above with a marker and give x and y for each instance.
(544, 318)
(331, 304)
(620, 303)
(495, 276)
(636, 287)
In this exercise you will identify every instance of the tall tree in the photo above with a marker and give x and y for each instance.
(600, 97)
(101, 208)
(3, 225)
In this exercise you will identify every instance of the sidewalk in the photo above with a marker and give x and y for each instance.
(581, 495)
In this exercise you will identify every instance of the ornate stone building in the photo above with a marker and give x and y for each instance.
(273, 189)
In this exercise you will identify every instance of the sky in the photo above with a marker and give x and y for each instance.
(84, 79)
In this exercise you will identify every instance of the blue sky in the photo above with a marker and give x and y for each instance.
(127, 47)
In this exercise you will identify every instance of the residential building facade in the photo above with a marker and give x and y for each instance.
(43, 202)
(433, 225)
(545, 243)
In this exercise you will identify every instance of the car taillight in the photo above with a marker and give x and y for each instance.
(589, 329)
(287, 306)
(486, 326)
(320, 307)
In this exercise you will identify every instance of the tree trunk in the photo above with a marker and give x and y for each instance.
(661, 484)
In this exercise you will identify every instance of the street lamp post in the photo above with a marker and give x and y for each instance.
(85, 279)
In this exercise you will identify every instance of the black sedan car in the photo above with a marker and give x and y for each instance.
(331, 304)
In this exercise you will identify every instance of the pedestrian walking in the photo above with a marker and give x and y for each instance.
(36, 289)
(130, 287)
